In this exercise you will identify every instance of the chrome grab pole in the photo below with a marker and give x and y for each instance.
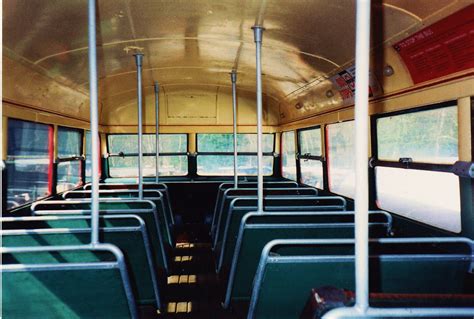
(138, 61)
(361, 154)
(94, 113)
(258, 32)
(157, 132)
(233, 78)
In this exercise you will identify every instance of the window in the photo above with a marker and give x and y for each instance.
(288, 155)
(69, 174)
(340, 158)
(421, 187)
(123, 157)
(215, 154)
(29, 162)
(311, 157)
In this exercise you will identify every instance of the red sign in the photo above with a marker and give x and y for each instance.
(443, 48)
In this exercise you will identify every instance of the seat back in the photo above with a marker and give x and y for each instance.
(127, 232)
(238, 207)
(162, 188)
(232, 193)
(224, 186)
(155, 196)
(397, 265)
(66, 282)
(256, 230)
(145, 209)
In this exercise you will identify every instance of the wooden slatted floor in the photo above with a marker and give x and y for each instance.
(194, 290)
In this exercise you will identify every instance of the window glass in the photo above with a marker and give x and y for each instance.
(426, 196)
(128, 143)
(69, 142)
(426, 136)
(69, 175)
(288, 155)
(310, 142)
(225, 143)
(128, 166)
(312, 173)
(223, 165)
(29, 162)
(340, 158)
(170, 165)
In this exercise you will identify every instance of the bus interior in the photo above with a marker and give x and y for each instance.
(237, 159)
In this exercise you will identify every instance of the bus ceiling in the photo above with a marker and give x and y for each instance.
(190, 48)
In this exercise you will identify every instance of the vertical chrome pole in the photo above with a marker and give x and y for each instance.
(94, 113)
(138, 61)
(233, 78)
(157, 131)
(258, 32)
(361, 154)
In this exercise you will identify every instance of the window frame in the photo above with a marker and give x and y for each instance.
(79, 158)
(231, 153)
(123, 155)
(309, 157)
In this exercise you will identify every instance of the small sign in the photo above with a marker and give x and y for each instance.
(344, 82)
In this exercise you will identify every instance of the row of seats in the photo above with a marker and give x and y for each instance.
(136, 234)
(270, 261)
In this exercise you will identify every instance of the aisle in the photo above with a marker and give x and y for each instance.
(194, 290)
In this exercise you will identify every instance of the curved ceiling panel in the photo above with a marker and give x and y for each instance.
(200, 41)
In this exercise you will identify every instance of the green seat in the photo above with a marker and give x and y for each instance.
(225, 186)
(162, 188)
(256, 230)
(153, 195)
(66, 282)
(238, 207)
(288, 269)
(127, 232)
(231, 193)
(145, 209)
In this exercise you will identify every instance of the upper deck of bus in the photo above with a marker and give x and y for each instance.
(420, 112)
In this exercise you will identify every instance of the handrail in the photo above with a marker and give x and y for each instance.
(94, 114)
(258, 34)
(233, 78)
(138, 62)
(157, 131)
